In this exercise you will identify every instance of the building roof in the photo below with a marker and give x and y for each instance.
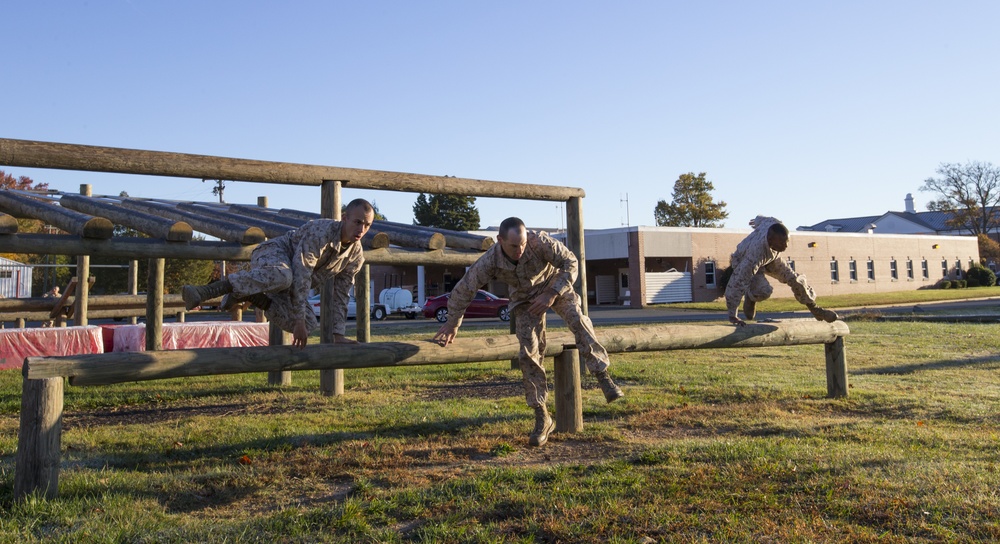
(933, 221)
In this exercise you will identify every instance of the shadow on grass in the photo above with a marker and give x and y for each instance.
(933, 365)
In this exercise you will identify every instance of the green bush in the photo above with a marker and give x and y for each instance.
(944, 284)
(972, 282)
(982, 275)
(962, 284)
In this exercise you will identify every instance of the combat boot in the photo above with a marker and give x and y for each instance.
(543, 426)
(259, 300)
(194, 294)
(749, 308)
(611, 391)
(822, 314)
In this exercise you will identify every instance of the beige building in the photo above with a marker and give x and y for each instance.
(653, 265)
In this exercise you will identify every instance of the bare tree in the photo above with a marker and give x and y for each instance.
(970, 192)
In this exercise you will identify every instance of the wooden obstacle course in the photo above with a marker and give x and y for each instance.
(41, 403)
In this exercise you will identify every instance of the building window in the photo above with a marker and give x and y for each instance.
(709, 273)
(6, 274)
(852, 270)
(871, 270)
(909, 269)
(944, 268)
(925, 269)
(834, 271)
(893, 270)
(791, 264)
(958, 269)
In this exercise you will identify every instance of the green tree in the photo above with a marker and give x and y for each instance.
(692, 204)
(970, 192)
(452, 212)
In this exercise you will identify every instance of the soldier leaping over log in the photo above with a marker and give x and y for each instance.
(759, 254)
(283, 269)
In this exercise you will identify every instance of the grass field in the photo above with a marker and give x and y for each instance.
(735, 445)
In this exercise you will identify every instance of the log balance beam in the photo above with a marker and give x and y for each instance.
(38, 452)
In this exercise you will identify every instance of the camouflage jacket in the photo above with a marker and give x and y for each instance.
(545, 264)
(316, 255)
(751, 255)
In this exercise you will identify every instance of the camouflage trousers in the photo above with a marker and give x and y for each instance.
(271, 273)
(760, 289)
(530, 331)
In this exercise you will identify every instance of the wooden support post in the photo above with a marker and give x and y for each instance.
(362, 302)
(514, 364)
(83, 278)
(179, 316)
(331, 382)
(39, 438)
(278, 337)
(20, 323)
(569, 399)
(574, 241)
(133, 283)
(836, 368)
(154, 306)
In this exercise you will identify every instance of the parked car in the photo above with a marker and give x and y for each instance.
(352, 306)
(484, 304)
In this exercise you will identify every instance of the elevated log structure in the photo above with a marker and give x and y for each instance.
(41, 404)
(153, 225)
(224, 230)
(74, 222)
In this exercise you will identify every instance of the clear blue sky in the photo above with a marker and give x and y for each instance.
(800, 110)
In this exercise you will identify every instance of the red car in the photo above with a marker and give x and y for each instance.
(485, 304)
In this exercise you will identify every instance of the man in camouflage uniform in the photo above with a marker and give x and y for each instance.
(540, 272)
(759, 254)
(283, 269)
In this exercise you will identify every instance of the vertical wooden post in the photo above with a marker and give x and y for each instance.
(569, 398)
(836, 368)
(362, 301)
(278, 337)
(574, 241)
(154, 305)
(514, 364)
(39, 438)
(20, 323)
(180, 316)
(133, 284)
(331, 382)
(83, 276)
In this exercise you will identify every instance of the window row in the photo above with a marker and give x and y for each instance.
(925, 272)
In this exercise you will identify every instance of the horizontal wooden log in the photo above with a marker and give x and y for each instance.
(224, 230)
(453, 239)
(149, 248)
(110, 368)
(65, 219)
(34, 154)
(266, 214)
(271, 229)
(133, 248)
(97, 302)
(146, 223)
(410, 238)
(8, 224)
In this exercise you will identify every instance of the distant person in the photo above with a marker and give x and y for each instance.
(283, 269)
(759, 254)
(540, 272)
(52, 293)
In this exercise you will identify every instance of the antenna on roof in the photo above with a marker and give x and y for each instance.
(628, 220)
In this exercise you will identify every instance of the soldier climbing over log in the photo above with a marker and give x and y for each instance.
(759, 254)
(283, 269)
(540, 271)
